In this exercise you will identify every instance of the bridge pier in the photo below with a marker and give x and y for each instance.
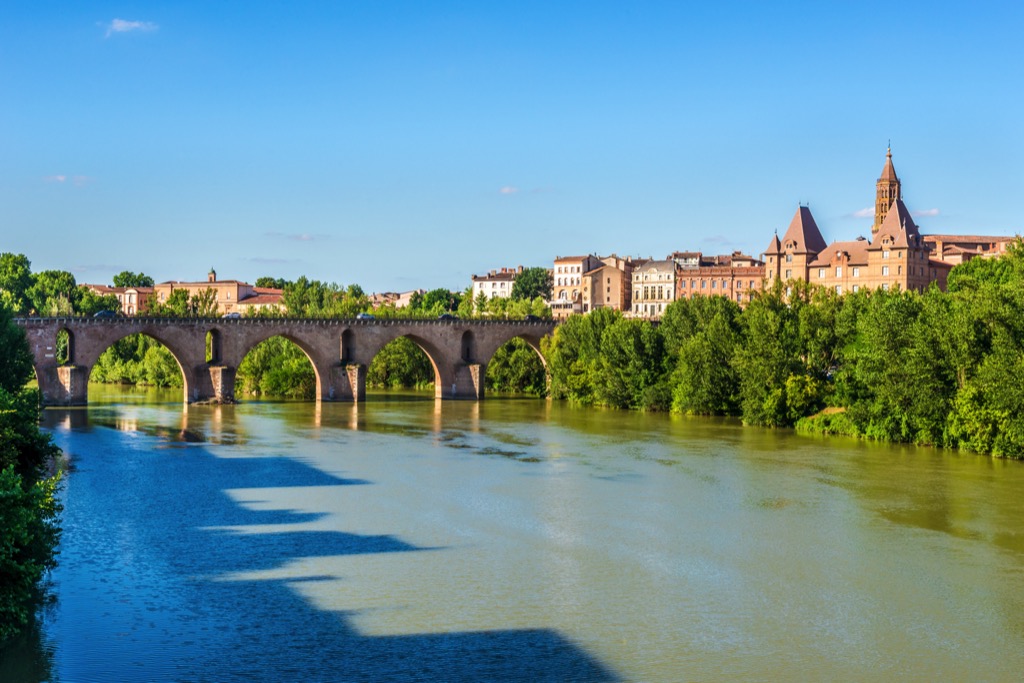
(344, 383)
(63, 385)
(466, 383)
(222, 381)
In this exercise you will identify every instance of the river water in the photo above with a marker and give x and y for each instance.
(517, 540)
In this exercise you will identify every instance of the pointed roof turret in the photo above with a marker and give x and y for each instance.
(803, 233)
(900, 226)
(774, 247)
(888, 171)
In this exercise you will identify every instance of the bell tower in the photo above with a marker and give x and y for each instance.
(887, 190)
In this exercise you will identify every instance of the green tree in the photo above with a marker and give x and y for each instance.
(705, 381)
(272, 282)
(29, 530)
(532, 283)
(53, 292)
(15, 281)
(90, 303)
(631, 370)
(400, 364)
(127, 278)
(516, 368)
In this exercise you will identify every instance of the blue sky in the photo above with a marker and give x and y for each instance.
(411, 144)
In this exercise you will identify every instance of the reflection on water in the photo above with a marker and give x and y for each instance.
(413, 539)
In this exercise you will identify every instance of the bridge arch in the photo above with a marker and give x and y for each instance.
(321, 366)
(369, 352)
(88, 358)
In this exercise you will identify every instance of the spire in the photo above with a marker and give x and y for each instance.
(803, 233)
(887, 190)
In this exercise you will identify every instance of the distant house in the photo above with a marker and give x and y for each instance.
(133, 300)
(654, 288)
(231, 296)
(497, 283)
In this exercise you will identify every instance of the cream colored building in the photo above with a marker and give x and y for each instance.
(567, 284)
(654, 288)
(497, 283)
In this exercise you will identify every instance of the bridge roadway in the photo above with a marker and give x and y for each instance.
(340, 351)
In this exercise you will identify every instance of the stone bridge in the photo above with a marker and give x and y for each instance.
(339, 350)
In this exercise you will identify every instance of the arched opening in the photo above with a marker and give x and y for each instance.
(136, 360)
(347, 351)
(277, 368)
(401, 364)
(213, 347)
(517, 367)
(64, 348)
(467, 347)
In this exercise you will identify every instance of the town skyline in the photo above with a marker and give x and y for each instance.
(401, 147)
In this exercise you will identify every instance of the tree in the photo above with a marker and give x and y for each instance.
(531, 283)
(127, 278)
(29, 532)
(90, 303)
(15, 281)
(53, 292)
(272, 282)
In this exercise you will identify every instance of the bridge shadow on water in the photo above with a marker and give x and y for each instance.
(197, 624)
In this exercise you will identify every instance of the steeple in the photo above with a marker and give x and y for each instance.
(887, 190)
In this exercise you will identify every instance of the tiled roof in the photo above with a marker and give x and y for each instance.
(856, 250)
(260, 300)
(899, 225)
(888, 171)
(804, 231)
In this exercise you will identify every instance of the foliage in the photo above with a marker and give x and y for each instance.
(90, 303)
(516, 368)
(137, 359)
(276, 367)
(272, 282)
(127, 278)
(15, 281)
(29, 530)
(53, 293)
(181, 304)
(307, 298)
(532, 283)
(400, 364)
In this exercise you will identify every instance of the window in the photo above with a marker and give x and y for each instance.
(885, 254)
(789, 258)
(839, 271)
(885, 286)
(839, 289)
(821, 273)
(856, 272)
(739, 284)
(713, 284)
(703, 284)
(789, 274)
(856, 288)
(899, 270)
(885, 270)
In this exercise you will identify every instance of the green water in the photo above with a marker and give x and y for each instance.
(517, 539)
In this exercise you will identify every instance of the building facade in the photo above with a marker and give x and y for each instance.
(654, 288)
(608, 285)
(897, 255)
(231, 296)
(497, 283)
(736, 276)
(567, 284)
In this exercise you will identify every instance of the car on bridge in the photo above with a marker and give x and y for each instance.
(104, 314)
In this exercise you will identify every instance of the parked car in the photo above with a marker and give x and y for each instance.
(364, 316)
(532, 319)
(104, 314)
(232, 316)
(447, 316)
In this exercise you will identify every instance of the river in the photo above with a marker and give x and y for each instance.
(405, 539)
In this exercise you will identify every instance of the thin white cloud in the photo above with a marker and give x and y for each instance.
(55, 178)
(866, 212)
(926, 213)
(298, 236)
(126, 26)
(508, 189)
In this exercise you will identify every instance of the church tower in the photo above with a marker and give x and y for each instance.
(887, 191)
